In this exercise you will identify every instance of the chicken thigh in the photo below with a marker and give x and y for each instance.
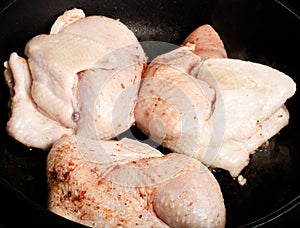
(217, 110)
(80, 78)
(130, 184)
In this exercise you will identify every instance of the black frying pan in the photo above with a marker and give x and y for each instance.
(259, 30)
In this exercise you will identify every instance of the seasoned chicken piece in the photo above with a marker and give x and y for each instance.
(217, 110)
(82, 76)
(126, 183)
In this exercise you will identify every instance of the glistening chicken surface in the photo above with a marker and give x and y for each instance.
(59, 68)
(127, 183)
(195, 101)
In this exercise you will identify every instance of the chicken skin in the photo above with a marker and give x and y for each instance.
(95, 52)
(127, 183)
(218, 110)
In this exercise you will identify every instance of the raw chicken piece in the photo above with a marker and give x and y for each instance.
(109, 60)
(126, 183)
(26, 123)
(176, 106)
(82, 76)
(253, 97)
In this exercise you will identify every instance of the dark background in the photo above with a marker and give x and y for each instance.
(17, 212)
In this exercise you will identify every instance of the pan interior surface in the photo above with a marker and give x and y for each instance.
(259, 31)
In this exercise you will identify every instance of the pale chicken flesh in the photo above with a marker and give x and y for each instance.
(95, 52)
(130, 184)
(195, 101)
(26, 123)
